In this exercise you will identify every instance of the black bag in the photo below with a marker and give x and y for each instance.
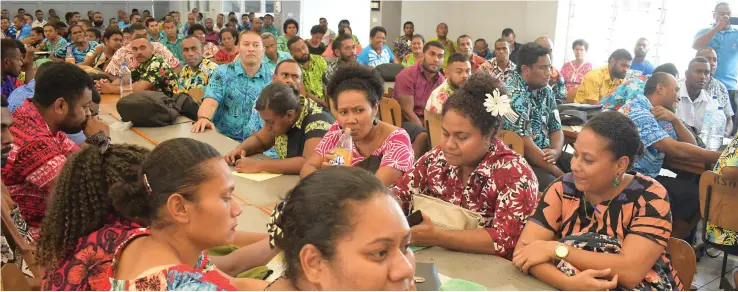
(155, 109)
(389, 71)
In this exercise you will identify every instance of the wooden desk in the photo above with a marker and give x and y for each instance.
(492, 272)
(570, 133)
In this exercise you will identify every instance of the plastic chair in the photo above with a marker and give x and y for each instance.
(389, 112)
(512, 140)
(433, 125)
(718, 202)
(683, 260)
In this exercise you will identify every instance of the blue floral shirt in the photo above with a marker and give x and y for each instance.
(725, 44)
(537, 115)
(79, 55)
(369, 56)
(236, 93)
(11, 32)
(630, 89)
(651, 131)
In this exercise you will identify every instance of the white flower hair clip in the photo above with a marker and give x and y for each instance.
(499, 105)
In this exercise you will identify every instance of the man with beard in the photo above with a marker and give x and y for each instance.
(208, 49)
(535, 117)
(465, 47)
(458, 70)
(344, 48)
(556, 81)
(313, 68)
(500, 65)
(695, 99)
(98, 22)
(297, 122)
(197, 70)
(663, 134)
(151, 74)
(715, 87)
(232, 91)
(211, 34)
(599, 82)
(12, 66)
(272, 56)
(60, 104)
(640, 63)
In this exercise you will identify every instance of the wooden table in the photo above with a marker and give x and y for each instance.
(493, 272)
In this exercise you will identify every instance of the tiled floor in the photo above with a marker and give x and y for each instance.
(708, 275)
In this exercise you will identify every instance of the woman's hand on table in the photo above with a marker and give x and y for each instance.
(232, 157)
(201, 125)
(592, 280)
(249, 165)
(533, 253)
(424, 234)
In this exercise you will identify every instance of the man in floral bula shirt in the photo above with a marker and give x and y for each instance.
(152, 72)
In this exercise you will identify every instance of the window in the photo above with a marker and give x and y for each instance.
(252, 6)
(260, 7)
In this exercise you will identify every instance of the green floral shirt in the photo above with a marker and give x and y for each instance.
(729, 158)
(174, 47)
(312, 78)
(191, 78)
(313, 122)
(158, 73)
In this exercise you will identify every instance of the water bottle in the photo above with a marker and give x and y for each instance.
(126, 83)
(342, 153)
(710, 111)
(70, 57)
(717, 130)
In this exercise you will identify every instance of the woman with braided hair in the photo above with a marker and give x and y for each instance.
(341, 229)
(125, 218)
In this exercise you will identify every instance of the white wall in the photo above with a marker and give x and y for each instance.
(356, 11)
(482, 19)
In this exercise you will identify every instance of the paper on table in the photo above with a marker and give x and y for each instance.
(576, 128)
(262, 176)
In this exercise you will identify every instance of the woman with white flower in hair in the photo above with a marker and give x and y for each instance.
(474, 170)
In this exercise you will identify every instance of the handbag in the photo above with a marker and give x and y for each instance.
(446, 215)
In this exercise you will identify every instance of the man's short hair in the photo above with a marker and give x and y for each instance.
(38, 30)
(149, 21)
(127, 30)
(38, 10)
(97, 33)
(196, 27)
(529, 53)
(293, 40)
(668, 68)
(269, 15)
(508, 31)
(111, 31)
(138, 37)
(87, 22)
(267, 35)
(698, 60)
(137, 26)
(720, 4)
(190, 36)
(337, 42)
(580, 42)
(457, 57)
(29, 15)
(436, 44)
(463, 36)
(408, 22)
(377, 29)
(6, 46)
(245, 32)
(656, 79)
(620, 54)
(276, 69)
(63, 80)
(322, 18)
(317, 29)
(417, 35)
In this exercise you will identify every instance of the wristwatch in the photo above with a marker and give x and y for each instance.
(561, 251)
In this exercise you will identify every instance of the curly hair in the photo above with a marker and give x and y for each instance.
(82, 203)
(468, 101)
(621, 134)
(356, 77)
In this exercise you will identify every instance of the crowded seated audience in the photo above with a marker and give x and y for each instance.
(334, 140)
(378, 147)
(475, 170)
(571, 242)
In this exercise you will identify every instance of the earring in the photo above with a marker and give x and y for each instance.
(375, 122)
(616, 180)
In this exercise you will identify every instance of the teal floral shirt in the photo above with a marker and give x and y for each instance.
(236, 93)
(158, 73)
(191, 78)
(174, 47)
(537, 115)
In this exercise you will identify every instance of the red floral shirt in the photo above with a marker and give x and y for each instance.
(87, 265)
(503, 189)
(35, 160)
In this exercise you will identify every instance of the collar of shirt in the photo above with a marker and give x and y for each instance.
(421, 73)
(684, 94)
(166, 40)
(510, 67)
(238, 67)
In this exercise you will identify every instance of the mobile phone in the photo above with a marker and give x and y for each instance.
(415, 218)
(734, 21)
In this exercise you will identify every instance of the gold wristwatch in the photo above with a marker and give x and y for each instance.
(561, 251)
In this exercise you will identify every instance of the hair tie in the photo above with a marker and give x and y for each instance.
(147, 185)
(273, 225)
(499, 106)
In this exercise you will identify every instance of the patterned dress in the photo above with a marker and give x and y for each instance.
(85, 267)
(642, 209)
(573, 75)
(35, 160)
(396, 151)
(715, 234)
(202, 277)
(223, 56)
(158, 73)
(503, 189)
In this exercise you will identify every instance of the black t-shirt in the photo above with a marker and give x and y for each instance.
(313, 122)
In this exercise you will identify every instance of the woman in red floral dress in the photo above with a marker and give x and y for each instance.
(473, 169)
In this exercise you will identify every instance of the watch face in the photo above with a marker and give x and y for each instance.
(561, 251)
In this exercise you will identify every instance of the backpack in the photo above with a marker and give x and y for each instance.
(155, 109)
(389, 71)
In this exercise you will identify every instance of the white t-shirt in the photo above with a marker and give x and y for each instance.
(692, 112)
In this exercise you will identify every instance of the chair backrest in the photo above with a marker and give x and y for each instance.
(683, 259)
(389, 112)
(197, 94)
(512, 140)
(718, 200)
(433, 125)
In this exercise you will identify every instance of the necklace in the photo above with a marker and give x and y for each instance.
(594, 207)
